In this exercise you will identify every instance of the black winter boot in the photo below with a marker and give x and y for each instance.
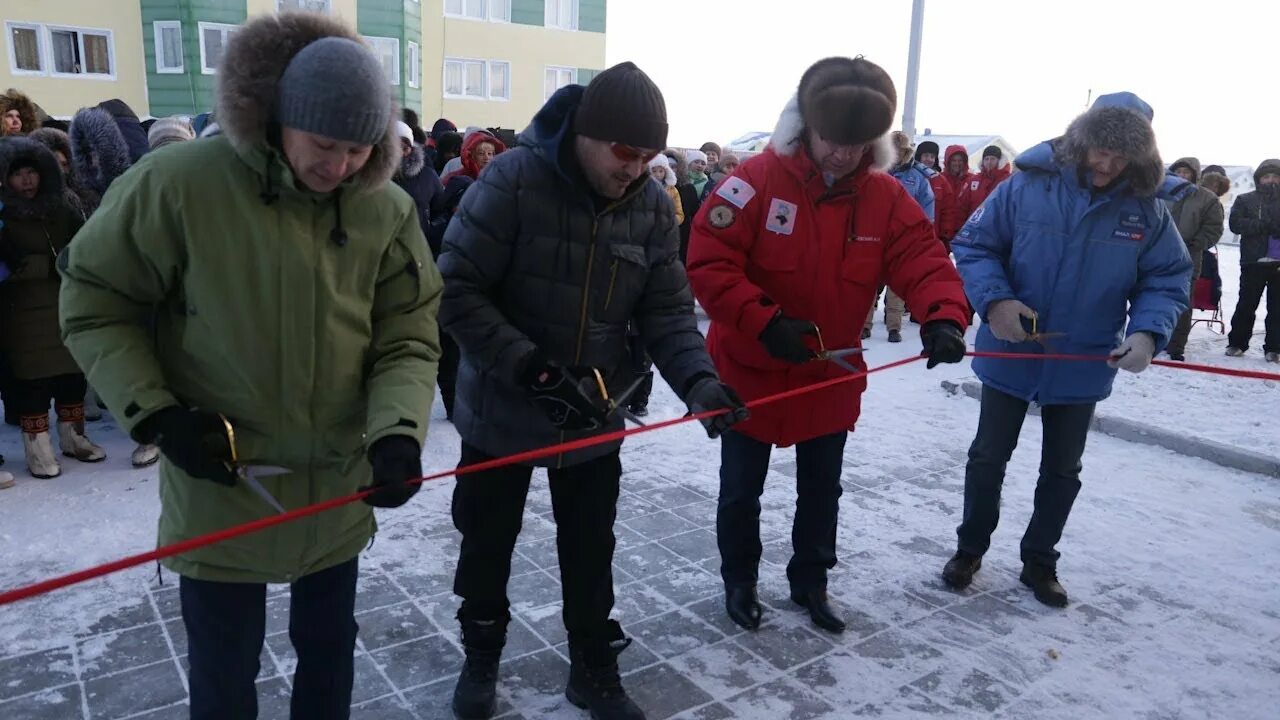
(594, 682)
(476, 695)
(1043, 580)
(959, 570)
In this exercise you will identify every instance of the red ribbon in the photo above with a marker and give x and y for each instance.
(62, 581)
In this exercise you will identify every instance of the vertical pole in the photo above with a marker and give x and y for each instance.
(913, 68)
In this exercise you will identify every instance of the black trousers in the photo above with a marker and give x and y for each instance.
(226, 624)
(1066, 428)
(31, 397)
(744, 462)
(1255, 279)
(641, 365)
(447, 375)
(487, 510)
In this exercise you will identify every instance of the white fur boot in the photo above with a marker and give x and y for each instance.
(71, 437)
(37, 444)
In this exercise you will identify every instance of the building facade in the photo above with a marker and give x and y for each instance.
(478, 62)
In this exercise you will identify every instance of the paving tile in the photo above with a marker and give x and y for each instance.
(392, 625)
(631, 505)
(712, 612)
(387, 707)
(660, 525)
(694, 546)
(782, 699)
(122, 650)
(167, 601)
(637, 601)
(139, 613)
(535, 683)
(662, 691)
(785, 647)
(646, 560)
(992, 613)
(375, 591)
(134, 691)
(702, 514)
(548, 622)
(724, 668)
(57, 703)
(177, 635)
(966, 687)
(278, 615)
(180, 711)
(532, 590)
(420, 661)
(433, 700)
(687, 585)
(521, 640)
(941, 629)
(674, 633)
(273, 698)
(904, 702)
(542, 553)
(714, 711)
(23, 674)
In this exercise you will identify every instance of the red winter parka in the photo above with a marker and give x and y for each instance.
(980, 186)
(774, 238)
(947, 208)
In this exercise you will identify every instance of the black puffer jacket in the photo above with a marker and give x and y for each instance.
(530, 264)
(1255, 216)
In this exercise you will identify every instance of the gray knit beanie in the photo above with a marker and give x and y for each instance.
(169, 130)
(335, 87)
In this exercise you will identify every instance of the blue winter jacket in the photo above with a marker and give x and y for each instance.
(1079, 260)
(914, 176)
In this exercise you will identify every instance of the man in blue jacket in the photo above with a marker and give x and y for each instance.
(1064, 248)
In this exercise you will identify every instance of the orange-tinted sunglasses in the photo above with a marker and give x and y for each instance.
(627, 153)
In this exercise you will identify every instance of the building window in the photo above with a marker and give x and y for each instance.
(388, 52)
(213, 43)
(477, 79)
(25, 57)
(562, 14)
(492, 10)
(556, 78)
(316, 6)
(414, 72)
(81, 51)
(168, 46)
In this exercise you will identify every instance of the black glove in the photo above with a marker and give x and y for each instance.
(943, 342)
(783, 337)
(558, 394)
(396, 459)
(711, 394)
(193, 440)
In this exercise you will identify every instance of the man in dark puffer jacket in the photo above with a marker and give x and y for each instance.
(557, 246)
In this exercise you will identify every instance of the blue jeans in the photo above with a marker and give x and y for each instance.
(744, 462)
(1066, 428)
(226, 624)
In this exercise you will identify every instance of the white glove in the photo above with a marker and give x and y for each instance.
(1134, 354)
(1004, 317)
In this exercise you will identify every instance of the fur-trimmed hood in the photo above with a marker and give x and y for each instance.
(14, 99)
(1122, 123)
(1266, 167)
(1191, 163)
(48, 196)
(788, 138)
(661, 160)
(411, 165)
(250, 72)
(99, 153)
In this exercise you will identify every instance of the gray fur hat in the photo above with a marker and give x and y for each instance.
(1120, 122)
(99, 153)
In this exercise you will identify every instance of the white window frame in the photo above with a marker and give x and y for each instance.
(328, 7)
(158, 27)
(547, 90)
(486, 12)
(486, 92)
(227, 29)
(413, 59)
(393, 75)
(42, 55)
(488, 80)
(553, 22)
(80, 33)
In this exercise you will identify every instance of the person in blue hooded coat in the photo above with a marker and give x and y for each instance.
(1080, 248)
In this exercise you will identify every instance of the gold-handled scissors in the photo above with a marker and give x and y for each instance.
(618, 404)
(836, 355)
(249, 473)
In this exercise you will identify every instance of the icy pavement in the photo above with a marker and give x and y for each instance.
(1171, 564)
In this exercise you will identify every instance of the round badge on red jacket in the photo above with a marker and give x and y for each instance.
(721, 217)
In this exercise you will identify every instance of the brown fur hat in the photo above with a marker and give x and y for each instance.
(848, 101)
(1217, 182)
(249, 78)
(16, 100)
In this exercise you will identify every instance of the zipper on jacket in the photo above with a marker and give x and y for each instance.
(586, 293)
(613, 277)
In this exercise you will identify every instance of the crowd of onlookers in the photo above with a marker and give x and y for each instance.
(53, 174)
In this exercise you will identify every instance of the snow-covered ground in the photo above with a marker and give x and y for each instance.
(1171, 563)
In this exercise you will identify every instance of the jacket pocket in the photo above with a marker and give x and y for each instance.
(627, 273)
(862, 263)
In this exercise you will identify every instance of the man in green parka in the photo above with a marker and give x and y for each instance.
(294, 298)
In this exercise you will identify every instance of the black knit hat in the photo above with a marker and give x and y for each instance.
(992, 151)
(848, 101)
(928, 146)
(623, 105)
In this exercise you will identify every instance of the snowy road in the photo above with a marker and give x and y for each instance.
(1171, 564)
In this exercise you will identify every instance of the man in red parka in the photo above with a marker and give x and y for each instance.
(946, 207)
(956, 168)
(793, 243)
(995, 170)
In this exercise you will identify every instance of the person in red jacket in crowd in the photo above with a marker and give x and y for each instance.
(782, 255)
(995, 170)
(477, 150)
(956, 164)
(946, 207)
